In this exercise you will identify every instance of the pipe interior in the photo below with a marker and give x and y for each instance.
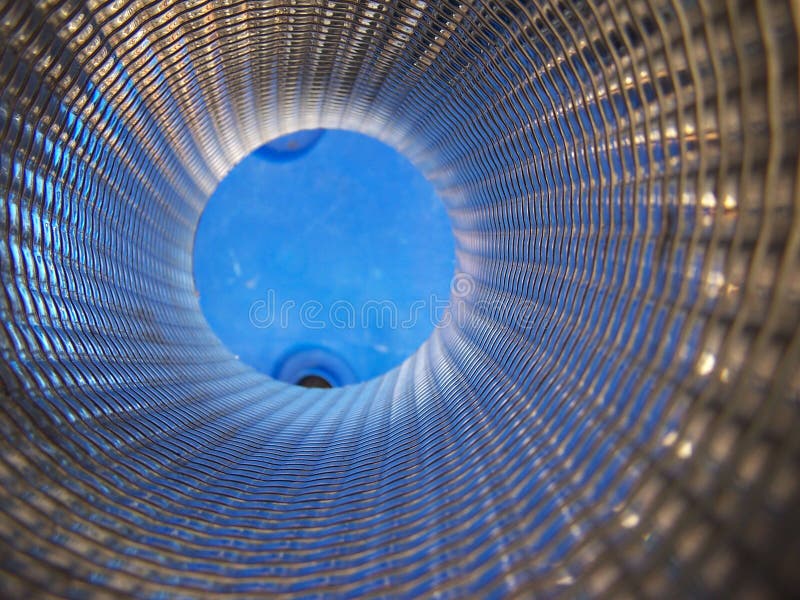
(612, 409)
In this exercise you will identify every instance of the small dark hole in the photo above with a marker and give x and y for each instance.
(314, 381)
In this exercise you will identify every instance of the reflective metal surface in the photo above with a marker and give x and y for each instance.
(613, 409)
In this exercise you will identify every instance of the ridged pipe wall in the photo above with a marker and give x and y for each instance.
(611, 410)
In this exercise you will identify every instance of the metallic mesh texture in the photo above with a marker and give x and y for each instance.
(613, 408)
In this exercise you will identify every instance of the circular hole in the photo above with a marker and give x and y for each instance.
(307, 361)
(314, 381)
(292, 146)
(339, 244)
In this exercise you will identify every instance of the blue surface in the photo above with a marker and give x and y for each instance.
(337, 262)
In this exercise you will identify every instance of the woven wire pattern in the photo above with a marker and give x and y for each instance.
(613, 408)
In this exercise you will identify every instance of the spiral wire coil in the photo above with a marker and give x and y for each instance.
(612, 407)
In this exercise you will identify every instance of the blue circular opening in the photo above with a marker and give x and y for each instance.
(330, 257)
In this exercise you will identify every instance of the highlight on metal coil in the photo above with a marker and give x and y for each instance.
(612, 409)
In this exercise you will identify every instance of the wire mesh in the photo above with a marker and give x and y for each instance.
(613, 407)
